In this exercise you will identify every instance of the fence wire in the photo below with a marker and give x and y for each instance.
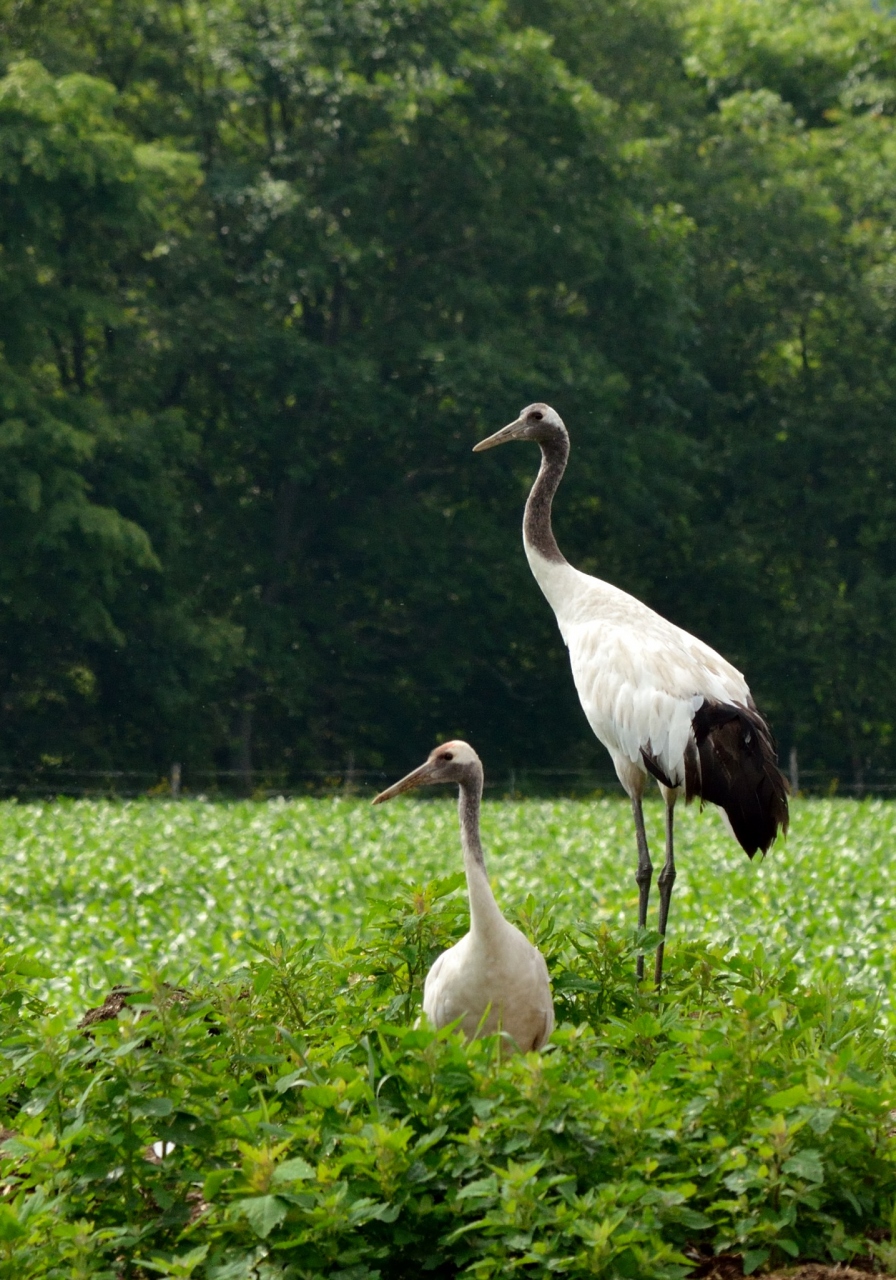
(180, 781)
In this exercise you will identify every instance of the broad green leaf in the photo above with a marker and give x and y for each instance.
(263, 1212)
(806, 1164)
(294, 1170)
(753, 1260)
(787, 1099)
(10, 1226)
(321, 1095)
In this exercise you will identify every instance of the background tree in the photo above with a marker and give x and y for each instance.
(269, 269)
(92, 477)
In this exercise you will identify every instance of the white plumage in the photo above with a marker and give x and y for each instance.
(661, 701)
(640, 679)
(494, 979)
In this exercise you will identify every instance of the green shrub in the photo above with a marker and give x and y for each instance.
(306, 1124)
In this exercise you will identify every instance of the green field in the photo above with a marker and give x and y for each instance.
(100, 891)
(267, 1105)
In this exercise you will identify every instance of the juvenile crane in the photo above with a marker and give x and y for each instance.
(661, 701)
(493, 979)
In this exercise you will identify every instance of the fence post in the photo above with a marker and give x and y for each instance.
(175, 780)
(794, 771)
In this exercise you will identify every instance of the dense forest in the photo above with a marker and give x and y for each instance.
(269, 268)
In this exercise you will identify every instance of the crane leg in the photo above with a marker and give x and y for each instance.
(665, 882)
(643, 875)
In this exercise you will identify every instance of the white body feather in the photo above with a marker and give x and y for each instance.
(639, 678)
(492, 980)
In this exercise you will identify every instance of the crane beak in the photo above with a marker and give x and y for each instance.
(513, 431)
(417, 778)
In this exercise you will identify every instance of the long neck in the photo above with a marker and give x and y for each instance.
(484, 911)
(537, 530)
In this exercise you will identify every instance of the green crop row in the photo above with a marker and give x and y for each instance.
(100, 891)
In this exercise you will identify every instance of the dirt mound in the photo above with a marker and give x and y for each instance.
(820, 1271)
(729, 1266)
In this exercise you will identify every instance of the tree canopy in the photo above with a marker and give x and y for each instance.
(270, 267)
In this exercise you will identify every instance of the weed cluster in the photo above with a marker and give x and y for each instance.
(299, 1122)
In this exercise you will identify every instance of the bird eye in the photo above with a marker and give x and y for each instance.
(447, 756)
(537, 416)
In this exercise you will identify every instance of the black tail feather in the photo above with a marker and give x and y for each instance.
(653, 766)
(733, 763)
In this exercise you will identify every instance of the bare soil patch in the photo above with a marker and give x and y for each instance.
(820, 1271)
(729, 1266)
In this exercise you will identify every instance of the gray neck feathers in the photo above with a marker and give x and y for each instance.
(537, 520)
(469, 802)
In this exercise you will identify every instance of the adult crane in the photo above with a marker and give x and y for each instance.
(661, 701)
(493, 979)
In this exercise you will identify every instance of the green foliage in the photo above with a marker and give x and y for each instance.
(813, 56)
(791, 412)
(745, 1108)
(268, 1101)
(121, 889)
(287, 1122)
(268, 271)
(92, 488)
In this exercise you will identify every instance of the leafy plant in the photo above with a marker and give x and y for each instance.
(301, 1121)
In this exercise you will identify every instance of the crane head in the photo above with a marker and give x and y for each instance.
(537, 422)
(451, 762)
